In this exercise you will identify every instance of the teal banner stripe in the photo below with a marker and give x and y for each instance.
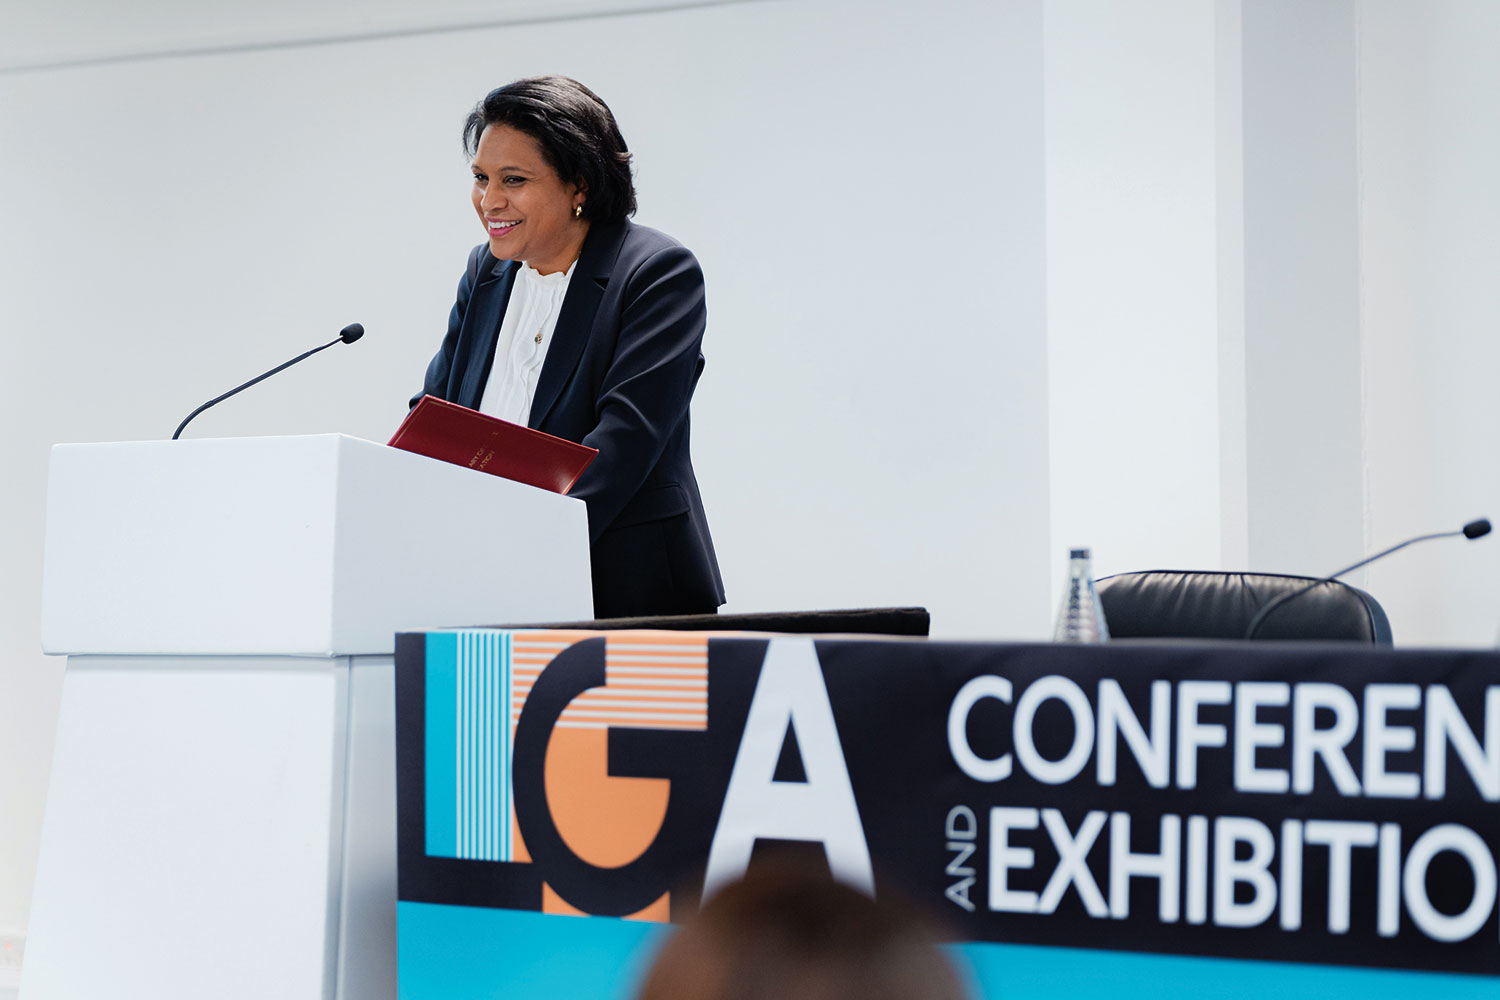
(441, 744)
(1021, 972)
(444, 952)
(458, 951)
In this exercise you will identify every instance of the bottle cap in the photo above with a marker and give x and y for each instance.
(1078, 553)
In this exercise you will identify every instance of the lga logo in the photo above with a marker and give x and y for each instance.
(596, 759)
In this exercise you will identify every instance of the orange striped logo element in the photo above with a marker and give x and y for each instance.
(653, 680)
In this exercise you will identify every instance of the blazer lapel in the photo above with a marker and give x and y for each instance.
(585, 291)
(486, 309)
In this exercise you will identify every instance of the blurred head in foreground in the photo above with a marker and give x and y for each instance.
(789, 934)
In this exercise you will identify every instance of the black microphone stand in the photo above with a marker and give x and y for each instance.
(347, 335)
(1474, 529)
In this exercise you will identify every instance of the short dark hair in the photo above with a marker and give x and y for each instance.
(577, 133)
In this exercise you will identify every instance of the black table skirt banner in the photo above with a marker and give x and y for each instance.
(1316, 803)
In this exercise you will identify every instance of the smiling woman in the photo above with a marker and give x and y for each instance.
(530, 213)
(573, 320)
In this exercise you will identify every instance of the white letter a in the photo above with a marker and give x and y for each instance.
(790, 692)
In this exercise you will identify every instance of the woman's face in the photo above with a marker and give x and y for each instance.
(527, 210)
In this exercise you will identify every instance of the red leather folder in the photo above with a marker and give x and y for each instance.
(452, 433)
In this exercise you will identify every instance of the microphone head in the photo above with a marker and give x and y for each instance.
(354, 331)
(1477, 529)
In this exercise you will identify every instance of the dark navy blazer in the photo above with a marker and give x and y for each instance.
(618, 376)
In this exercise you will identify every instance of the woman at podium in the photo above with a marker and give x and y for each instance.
(573, 320)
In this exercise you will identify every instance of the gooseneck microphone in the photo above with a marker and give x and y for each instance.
(1474, 529)
(347, 335)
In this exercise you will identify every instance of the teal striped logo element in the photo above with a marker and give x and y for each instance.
(468, 693)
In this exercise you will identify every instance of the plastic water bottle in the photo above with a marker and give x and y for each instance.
(1080, 619)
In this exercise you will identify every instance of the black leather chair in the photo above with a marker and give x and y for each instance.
(1186, 604)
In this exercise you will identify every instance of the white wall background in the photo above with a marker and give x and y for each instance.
(1302, 341)
(1199, 282)
(871, 424)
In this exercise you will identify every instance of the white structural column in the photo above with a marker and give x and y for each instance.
(1301, 241)
(1429, 149)
(1133, 304)
(1229, 127)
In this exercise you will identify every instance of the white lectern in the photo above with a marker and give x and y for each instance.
(221, 815)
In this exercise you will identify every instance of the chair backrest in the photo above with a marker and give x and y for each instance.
(1189, 604)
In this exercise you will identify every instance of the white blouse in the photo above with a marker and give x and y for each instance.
(521, 345)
